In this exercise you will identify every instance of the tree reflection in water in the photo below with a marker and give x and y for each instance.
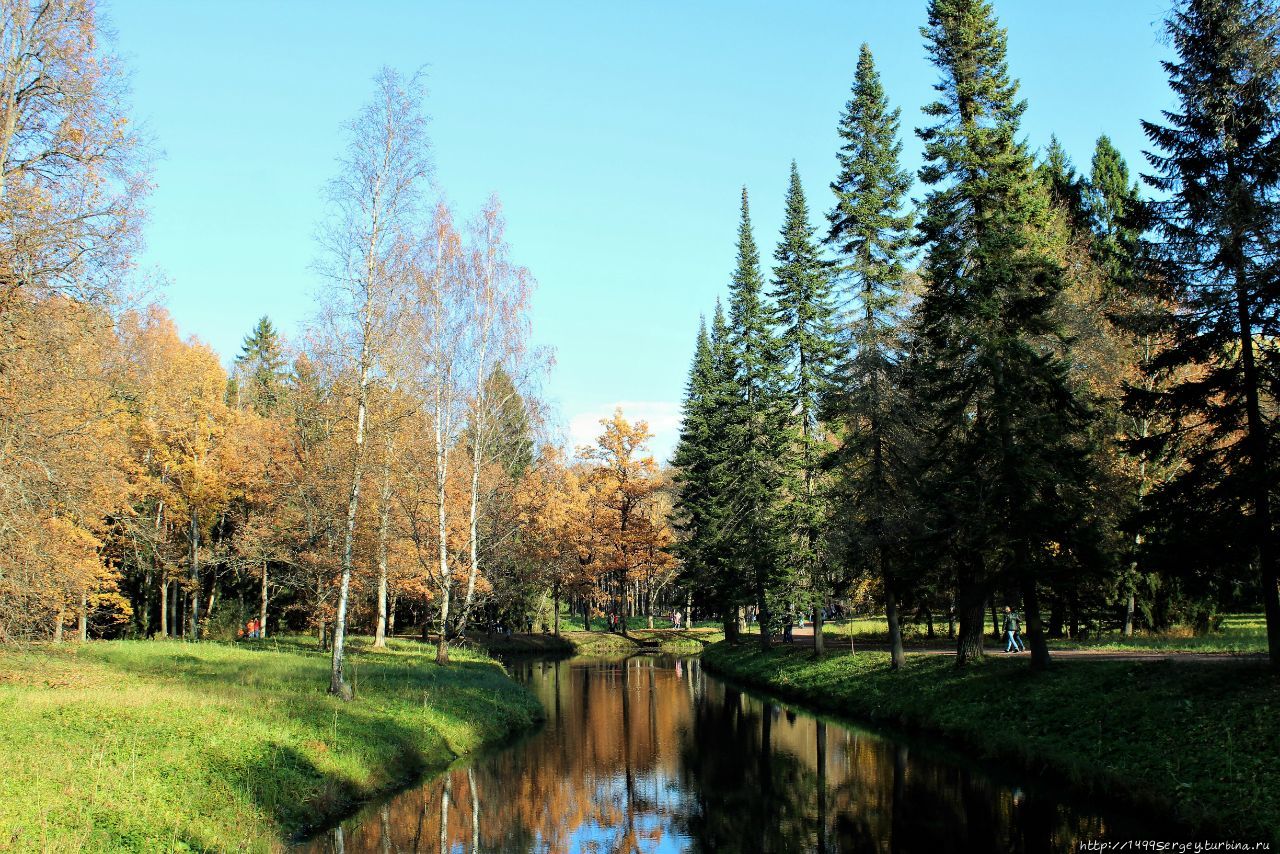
(652, 755)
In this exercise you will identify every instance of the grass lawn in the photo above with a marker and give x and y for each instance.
(164, 746)
(1199, 739)
(1240, 633)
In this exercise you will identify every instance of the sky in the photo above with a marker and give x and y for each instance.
(618, 137)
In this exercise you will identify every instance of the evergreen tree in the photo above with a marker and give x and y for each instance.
(1217, 166)
(1066, 188)
(702, 499)
(1006, 466)
(870, 237)
(755, 431)
(261, 367)
(804, 317)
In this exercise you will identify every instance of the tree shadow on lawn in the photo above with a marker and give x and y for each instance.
(400, 726)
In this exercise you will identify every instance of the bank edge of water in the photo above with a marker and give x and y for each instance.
(160, 746)
(1201, 742)
(688, 642)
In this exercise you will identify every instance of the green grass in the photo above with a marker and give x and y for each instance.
(1199, 739)
(163, 746)
(1240, 633)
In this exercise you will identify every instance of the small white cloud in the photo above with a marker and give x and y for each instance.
(663, 417)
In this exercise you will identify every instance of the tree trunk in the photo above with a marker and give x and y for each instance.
(164, 607)
(195, 577)
(555, 604)
(1057, 616)
(1035, 630)
(391, 615)
(970, 605)
(897, 656)
(84, 616)
(262, 609)
(818, 640)
(1259, 469)
(730, 619)
(337, 682)
(442, 530)
(473, 543)
(57, 627)
(995, 620)
(1129, 605)
(384, 522)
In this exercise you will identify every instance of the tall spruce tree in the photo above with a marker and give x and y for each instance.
(1217, 165)
(260, 368)
(1115, 216)
(1007, 468)
(870, 237)
(755, 431)
(694, 462)
(804, 316)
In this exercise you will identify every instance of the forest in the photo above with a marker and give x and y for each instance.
(390, 470)
(1032, 386)
(351, 582)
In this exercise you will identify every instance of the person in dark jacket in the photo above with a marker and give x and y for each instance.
(1011, 631)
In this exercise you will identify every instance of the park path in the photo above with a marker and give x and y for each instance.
(835, 641)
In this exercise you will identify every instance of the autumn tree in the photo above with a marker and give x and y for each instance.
(367, 250)
(632, 539)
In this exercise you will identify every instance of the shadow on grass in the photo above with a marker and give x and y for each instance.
(304, 758)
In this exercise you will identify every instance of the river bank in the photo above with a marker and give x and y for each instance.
(670, 641)
(1199, 740)
(161, 746)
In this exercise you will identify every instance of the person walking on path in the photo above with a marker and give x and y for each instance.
(675, 620)
(1011, 631)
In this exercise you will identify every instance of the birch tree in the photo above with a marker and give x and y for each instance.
(373, 202)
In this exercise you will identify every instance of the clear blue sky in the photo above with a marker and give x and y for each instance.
(617, 135)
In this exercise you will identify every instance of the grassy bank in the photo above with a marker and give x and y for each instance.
(1201, 740)
(683, 642)
(162, 746)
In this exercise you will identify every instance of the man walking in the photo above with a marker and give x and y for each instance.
(1011, 631)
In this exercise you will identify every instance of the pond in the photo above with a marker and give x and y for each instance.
(652, 754)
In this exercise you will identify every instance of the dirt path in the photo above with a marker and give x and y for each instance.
(835, 641)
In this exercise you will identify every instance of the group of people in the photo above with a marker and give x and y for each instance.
(252, 629)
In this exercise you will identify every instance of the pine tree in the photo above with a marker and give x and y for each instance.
(870, 237)
(1006, 464)
(755, 431)
(1218, 168)
(702, 500)
(260, 367)
(803, 315)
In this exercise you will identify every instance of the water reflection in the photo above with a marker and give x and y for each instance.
(653, 755)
